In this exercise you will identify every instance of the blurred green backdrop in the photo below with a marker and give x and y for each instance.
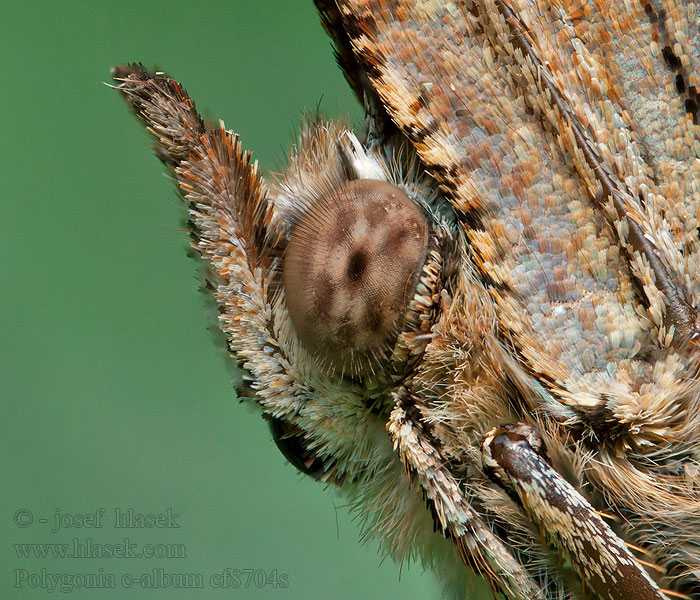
(114, 393)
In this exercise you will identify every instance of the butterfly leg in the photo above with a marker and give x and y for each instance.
(477, 544)
(515, 458)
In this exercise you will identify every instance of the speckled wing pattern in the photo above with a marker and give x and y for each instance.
(566, 137)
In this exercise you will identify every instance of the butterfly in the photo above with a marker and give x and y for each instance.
(478, 317)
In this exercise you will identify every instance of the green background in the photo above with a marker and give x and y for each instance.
(114, 392)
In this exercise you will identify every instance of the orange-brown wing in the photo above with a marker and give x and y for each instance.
(565, 146)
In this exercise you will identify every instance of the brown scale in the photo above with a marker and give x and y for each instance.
(350, 270)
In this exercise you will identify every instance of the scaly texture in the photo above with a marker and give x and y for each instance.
(565, 137)
(549, 153)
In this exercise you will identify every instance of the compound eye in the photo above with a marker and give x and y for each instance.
(350, 270)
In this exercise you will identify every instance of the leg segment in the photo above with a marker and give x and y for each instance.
(514, 457)
(476, 542)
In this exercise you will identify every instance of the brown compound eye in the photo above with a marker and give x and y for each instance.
(351, 269)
